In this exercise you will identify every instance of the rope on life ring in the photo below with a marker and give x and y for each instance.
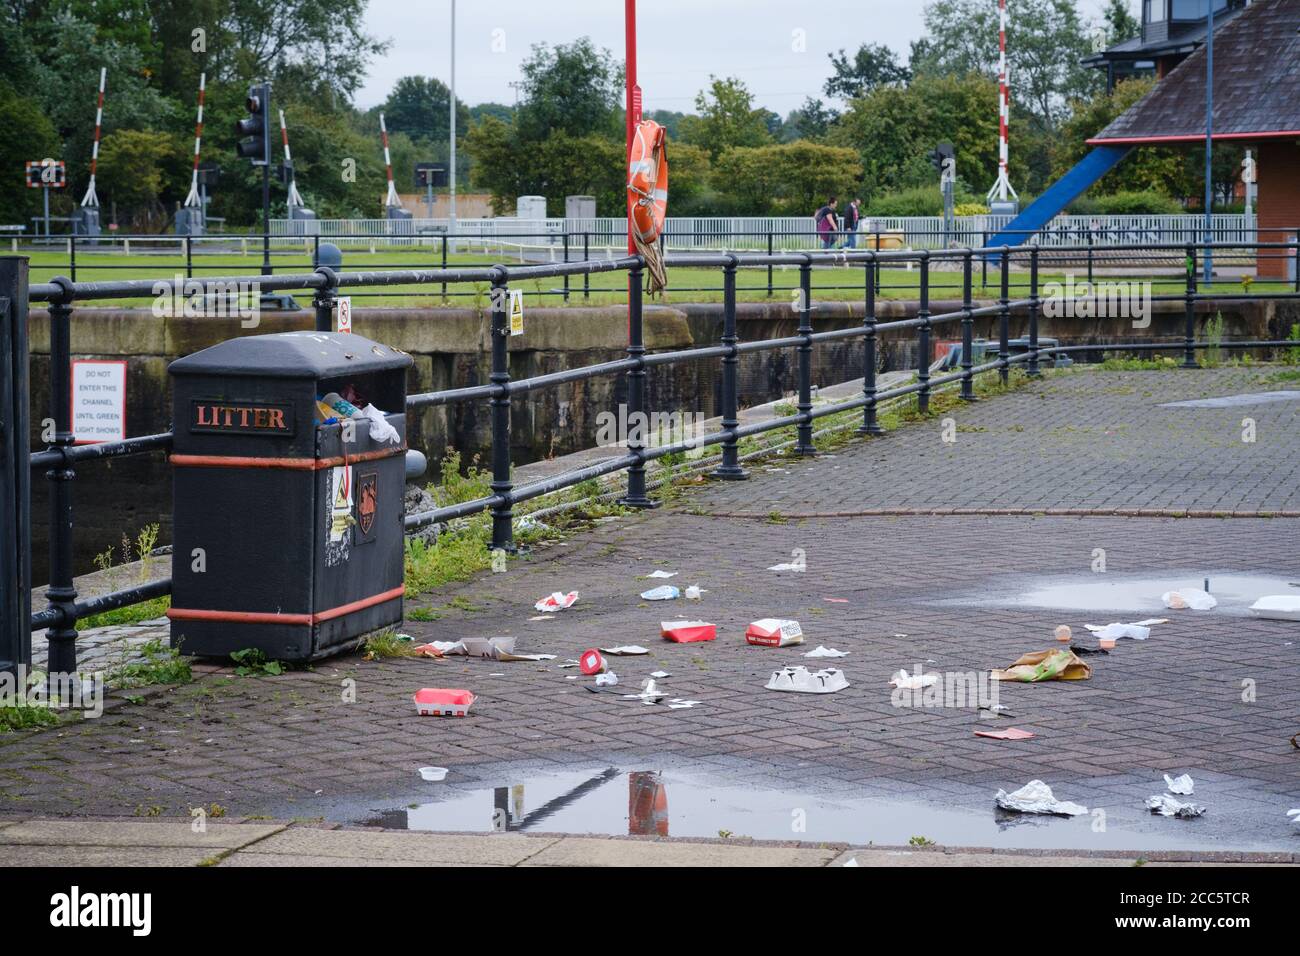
(647, 199)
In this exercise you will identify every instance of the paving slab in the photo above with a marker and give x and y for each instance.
(915, 858)
(16, 855)
(402, 848)
(580, 851)
(119, 833)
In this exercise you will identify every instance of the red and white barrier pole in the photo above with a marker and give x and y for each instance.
(391, 199)
(293, 199)
(90, 199)
(1002, 187)
(193, 199)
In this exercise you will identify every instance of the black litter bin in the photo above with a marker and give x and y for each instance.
(287, 525)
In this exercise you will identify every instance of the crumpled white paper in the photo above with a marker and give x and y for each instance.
(1294, 816)
(1138, 630)
(1277, 607)
(607, 679)
(665, 592)
(826, 652)
(1180, 785)
(662, 574)
(1037, 797)
(802, 681)
(1193, 598)
(556, 601)
(788, 566)
(1168, 806)
(913, 681)
(380, 429)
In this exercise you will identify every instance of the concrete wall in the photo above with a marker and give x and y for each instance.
(450, 348)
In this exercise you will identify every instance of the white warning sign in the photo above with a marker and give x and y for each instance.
(98, 400)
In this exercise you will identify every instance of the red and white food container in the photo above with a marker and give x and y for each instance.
(592, 661)
(688, 632)
(442, 702)
(774, 632)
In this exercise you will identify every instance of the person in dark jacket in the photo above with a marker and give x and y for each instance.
(827, 224)
(852, 216)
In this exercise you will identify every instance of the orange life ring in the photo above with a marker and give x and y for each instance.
(647, 181)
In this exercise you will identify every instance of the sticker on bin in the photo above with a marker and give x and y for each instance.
(774, 632)
(556, 601)
(688, 632)
(591, 662)
(442, 702)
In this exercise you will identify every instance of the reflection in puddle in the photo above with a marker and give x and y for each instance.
(666, 803)
(1232, 401)
(1235, 592)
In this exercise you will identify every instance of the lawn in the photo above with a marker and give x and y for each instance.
(829, 283)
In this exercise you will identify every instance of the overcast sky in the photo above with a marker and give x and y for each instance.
(680, 42)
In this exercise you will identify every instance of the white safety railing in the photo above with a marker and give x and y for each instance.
(607, 236)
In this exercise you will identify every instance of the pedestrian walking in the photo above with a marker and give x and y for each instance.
(852, 216)
(827, 224)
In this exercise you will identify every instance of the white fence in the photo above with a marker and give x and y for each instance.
(607, 236)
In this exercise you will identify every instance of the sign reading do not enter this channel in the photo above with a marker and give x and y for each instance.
(98, 400)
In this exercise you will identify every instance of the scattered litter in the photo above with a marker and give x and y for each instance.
(556, 601)
(1054, 664)
(662, 574)
(1063, 633)
(496, 648)
(608, 679)
(1037, 797)
(433, 774)
(688, 632)
(826, 652)
(404, 638)
(801, 680)
(900, 636)
(852, 862)
(993, 711)
(1138, 630)
(905, 681)
(695, 592)
(566, 664)
(1294, 815)
(660, 675)
(542, 617)
(1277, 607)
(649, 693)
(1182, 785)
(442, 702)
(1011, 733)
(572, 677)
(836, 600)
(774, 632)
(591, 662)
(625, 650)
(1189, 598)
(789, 566)
(665, 592)
(1080, 649)
(1167, 806)
(529, 523)
(677, 703)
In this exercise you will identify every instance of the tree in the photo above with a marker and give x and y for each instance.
(727, 118)
(1046, 39)
(872, 66)
(1149, 168)
(142, 172)
(790, 179)
(573, 88)
(1120, 23)
(419, 107)
(812, 121)
(25, 134)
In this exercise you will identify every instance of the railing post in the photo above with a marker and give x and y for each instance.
(730, 467)
(444, 265)
(984, 261)
(566, 262)
(503, 514)
(1189, 324)
(586, 257)
(804, 444)
(324, 300)
(923, 337)
(870, 426)
(967, 330)
(1032, 369)
(769, 263)
(15, 470)
(637, 429)
(1004, 316)
(189, 258)
(1090, 258)
(72, 257)
(61, 593)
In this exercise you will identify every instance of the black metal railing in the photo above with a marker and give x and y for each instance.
(61, 456)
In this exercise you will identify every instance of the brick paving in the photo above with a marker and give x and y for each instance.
(290, 746)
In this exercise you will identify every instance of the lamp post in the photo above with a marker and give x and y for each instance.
(1209, 141)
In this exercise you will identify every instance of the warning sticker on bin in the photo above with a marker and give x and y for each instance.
(367, 505)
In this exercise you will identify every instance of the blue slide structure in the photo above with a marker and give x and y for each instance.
(1060, 194)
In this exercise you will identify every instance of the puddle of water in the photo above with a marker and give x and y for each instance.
(1232, 401)
(667, 803)
(1235, 592)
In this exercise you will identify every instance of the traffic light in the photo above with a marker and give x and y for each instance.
(943, 151)
(255, 129)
